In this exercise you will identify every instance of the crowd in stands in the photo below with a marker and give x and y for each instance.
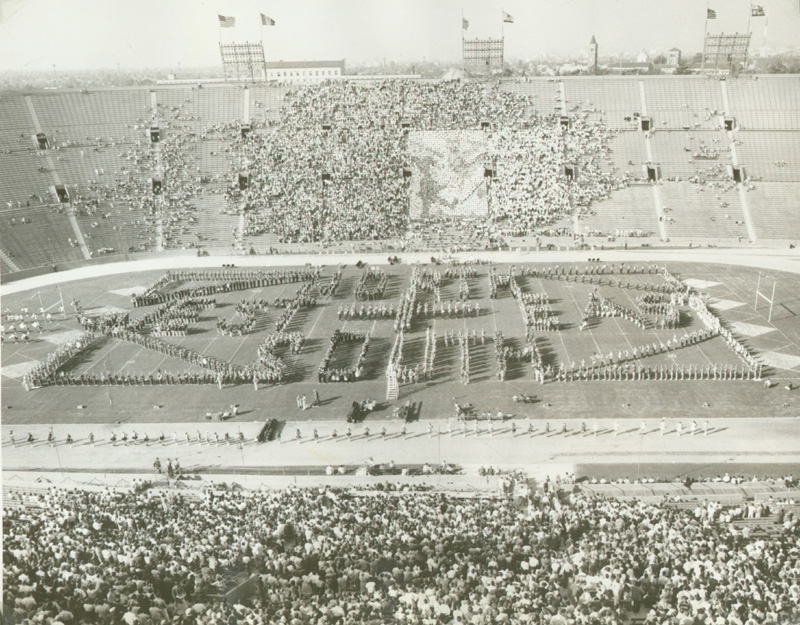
(324, 556)
(336, 165)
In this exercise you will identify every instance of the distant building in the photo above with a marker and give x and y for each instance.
(642, 57)
(628, 67)
(593, 56)
(305, 72)
(674, 57)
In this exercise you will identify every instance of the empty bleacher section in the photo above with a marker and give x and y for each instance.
(16, 127)
(627, 148)
(702, 212)
(90, 164)
(685, 154)
(42, 240)
(687, 103)
(775, 210)
(83, 117)
(768, 103)
(770, 156)
(21, 178)
(628, 212)
(544, 92)
(610, 100)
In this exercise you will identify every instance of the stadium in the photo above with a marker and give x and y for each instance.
(294, 343)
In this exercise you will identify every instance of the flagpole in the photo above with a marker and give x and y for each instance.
(463, 66)
(749, 18)
(705, 36)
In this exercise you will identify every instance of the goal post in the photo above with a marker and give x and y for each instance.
(770, 299)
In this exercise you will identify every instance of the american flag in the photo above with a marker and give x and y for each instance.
(226, 22)
(508, 18)
(711, 14)
(757, 11)
(267, 21)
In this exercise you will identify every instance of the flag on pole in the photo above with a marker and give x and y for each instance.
(507, 18)
(226, 22)
(267, 21)
(757, 11)
(711, 14)
(464, 24)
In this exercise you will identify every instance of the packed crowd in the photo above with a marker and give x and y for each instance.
(329, 556)
(336, 167)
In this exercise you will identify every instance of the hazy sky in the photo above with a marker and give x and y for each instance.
(78, 34)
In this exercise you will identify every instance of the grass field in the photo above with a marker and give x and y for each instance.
(730, 289)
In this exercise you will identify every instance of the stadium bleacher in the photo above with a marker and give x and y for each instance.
(108, 114)
(44, 240)
(766, 103)
(629, 209)
(197, 109)
(544, 92)
(16, 128)
(686, 103)
(685, 154)
(718, 218)
(775, 210)
(627, 148)
(265, 102)
(771, 156)
(609, 100)
(21, 178)
(765, 110)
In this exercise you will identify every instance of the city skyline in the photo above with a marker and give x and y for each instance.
(86, 34)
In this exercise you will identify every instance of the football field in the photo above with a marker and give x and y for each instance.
(730, 296)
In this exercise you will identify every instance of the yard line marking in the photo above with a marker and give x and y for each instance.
(99, 360)
(697, 345)
(241, 343)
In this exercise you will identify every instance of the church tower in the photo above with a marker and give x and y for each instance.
(593, 55)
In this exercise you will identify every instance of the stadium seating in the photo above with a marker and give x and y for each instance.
(770, 156)
(79, 166)
(685, 154)
(41, 242)
(627, 147)
(108, 114)
(265, 102)
(764, 108)
(628, 209)
(774, 210)
(21, 178)
(116, 231)
(543, 91)
(16, 128)
(201, 108)
(768, 103)
(696, 211)
(689, 102)
(608, 99)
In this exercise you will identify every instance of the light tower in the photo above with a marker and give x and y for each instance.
(593, 55)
